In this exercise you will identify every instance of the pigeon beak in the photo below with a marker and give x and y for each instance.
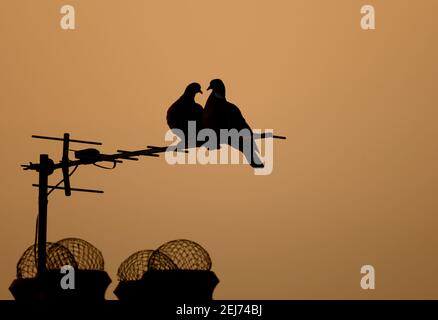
(209, 88)
(200, 91)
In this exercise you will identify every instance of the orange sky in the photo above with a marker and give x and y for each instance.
(354, 184)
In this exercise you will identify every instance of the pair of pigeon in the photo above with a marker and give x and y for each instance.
(218, 114)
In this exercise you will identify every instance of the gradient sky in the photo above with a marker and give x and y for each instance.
(354, 184)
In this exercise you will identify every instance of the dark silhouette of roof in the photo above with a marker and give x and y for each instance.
(91, 281)
(173, 255)
(177, 270)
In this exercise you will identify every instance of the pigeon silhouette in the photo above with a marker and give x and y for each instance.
(182, 111)
(221, 114)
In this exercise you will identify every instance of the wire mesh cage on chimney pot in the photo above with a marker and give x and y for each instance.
(177, 270)
(90, 279)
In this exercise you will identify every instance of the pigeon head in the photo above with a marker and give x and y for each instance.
(192, 89)
(218, 87)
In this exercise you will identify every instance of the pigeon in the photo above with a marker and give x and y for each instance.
(183, 110)
(221, 114)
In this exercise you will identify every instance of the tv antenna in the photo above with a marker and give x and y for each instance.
(47, 166)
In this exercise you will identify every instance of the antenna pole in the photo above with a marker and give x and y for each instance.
(44, 172)
(64, 162)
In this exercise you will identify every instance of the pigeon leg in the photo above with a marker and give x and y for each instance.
(251, 154)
